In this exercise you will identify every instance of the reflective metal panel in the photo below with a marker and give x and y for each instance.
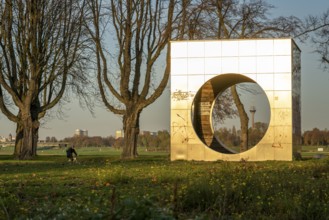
(282, 117)
(265, 47)
(282, 135)
(195, 152)
(230, 48)
(230, 65)
(282, 99)
(268, 138)
(179, 119)
(265, 81)
(272, 63)
(190, 101)
(265, 64)
(282, 81)
(178, 136)
(195, 49)
(247, 48)
(213, 48)
(211, 155)
(282, 47)
(192, 139)
(178, 151)
(283, 153)
(282, 64)
(213, 65)
(178, 49)
(177, 103)
(178, 66)
(265, 152)
(195, 66)
(296, 98)
(195, 82)
(247, 65)
(178, 83)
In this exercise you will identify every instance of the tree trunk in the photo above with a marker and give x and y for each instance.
(26, 138)
(19, 140)
(244, 119)
(35, 137)
(131, 131)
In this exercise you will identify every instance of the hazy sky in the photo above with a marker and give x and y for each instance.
(315, 90)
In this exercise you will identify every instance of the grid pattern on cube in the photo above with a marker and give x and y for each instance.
(267, 61)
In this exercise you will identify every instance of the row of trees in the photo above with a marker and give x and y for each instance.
(152, 142)
(50, 139)
(49, 49)
(161, 140)
(85, 141)
(158, 142)
(316, 137)
(231, 138)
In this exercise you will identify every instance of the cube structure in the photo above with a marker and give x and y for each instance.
(200, 70)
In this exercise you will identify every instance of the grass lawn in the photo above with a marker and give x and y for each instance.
(101, 186)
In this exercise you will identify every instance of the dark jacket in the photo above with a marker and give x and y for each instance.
(70, 152)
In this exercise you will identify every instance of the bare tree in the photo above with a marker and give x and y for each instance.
(316, 28)
(41, 53)
(141, 30)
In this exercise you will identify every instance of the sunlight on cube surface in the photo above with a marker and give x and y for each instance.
(213, 66)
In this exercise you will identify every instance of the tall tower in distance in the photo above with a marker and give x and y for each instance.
(252, 111)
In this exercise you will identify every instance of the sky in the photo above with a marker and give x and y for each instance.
(314, 97)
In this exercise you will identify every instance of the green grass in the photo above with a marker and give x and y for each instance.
(101, 186)
(54, 150)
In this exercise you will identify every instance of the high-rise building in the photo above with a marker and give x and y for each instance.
(80, 132)
(84, 132)
(77, 132)
(119, 134)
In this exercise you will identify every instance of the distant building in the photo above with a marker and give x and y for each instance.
(84, 132)
(10, 138)
(2, 139)
(144, 132)
(119, 134)
(148, 133)
(80, 132)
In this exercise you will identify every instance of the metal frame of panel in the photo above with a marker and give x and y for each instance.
(274, 64)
